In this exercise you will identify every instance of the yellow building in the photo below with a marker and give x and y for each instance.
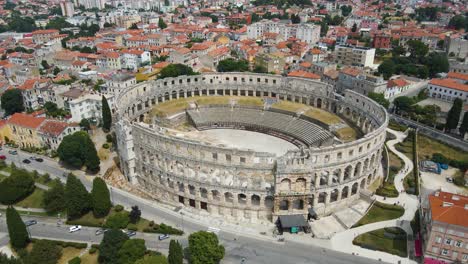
(5, 132)
(23, 129)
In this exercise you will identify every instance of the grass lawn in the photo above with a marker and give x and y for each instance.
(68, 253)
(88, 220)
(34, 200)
(378, 240)
(388, 190)
(381, 212)
(428, 146)
(395, 165)
(90, 258)
(396, 126)
(313, 112)
(103, 154)
(375, 185)
(406, 147)
(346, 134)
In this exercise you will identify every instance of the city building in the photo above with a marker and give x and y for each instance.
(52, 132)
(355, 56)
(88, 106)
(448, 89)
(382, 41)
(272, 62)
(44, 35)
(395, 87)
(67, 8)
(446, 228)
(356, 80)
(308, 33)
(23, 129)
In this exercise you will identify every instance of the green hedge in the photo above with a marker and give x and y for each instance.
(163, 229)
(63, 243)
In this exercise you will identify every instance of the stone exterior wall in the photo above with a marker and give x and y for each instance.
(248, 185)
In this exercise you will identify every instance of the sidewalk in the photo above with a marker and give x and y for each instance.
(344, 241)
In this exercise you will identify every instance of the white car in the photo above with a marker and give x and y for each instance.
(74, 228)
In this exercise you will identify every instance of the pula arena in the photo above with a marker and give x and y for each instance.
(324, 173)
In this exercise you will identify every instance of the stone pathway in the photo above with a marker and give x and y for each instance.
(344, 241)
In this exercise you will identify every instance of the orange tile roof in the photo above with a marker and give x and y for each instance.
(53, 127)
(397, 82)
(449, 208)
(303, 74)
(25, 120)
(45, 31)
(351, 71)
(161, 64)
(305, 64)
(458, 75)
(450, 83)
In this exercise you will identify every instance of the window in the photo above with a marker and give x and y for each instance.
(215, 156)
(445, 252)
(242, 160)
(458, 244)
(465, 257)
(448, 241)
(438, 239)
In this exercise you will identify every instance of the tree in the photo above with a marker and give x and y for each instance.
(16, 229)
(4, 259)
(118, 220)
(106, 115)
(204, 248)
(45, 64)
(44, 252)
(135, 214)
(108, 25)
(19, 185)
(77, 150)
(84, 123)
(54, 197)
(100, 197)
(453, 116)
(174, 70)
(354, 28)
(403, 103)
(295, 19)
(232, 65)
(57, 70)
(12, 101)
(110, 245)
(176, 255)
(131, 251)
(417, 49)
(133, 26)
(157, 259)
(458, 22)
(464, 125)
(77, 199)
(387, 68)
(161, 23)
(438, 63)
(379, 98)
(346, 10)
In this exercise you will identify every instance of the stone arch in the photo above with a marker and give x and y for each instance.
(181, 186)
(355, 188)
(357, 170)
(255, 200)
(345, 192)
(216, 195)
(369, 179)
(285, 185)
(284, 205)
(322, 197)
(242, 198)
(298, 204)
(319, 103)
(204, 193)
(191, 189)
(366, 165)
(348, 172)
(372, 161)
(300, 185)
(269, 201)
(363, 183)
(324, 178)
(228, 197)
(334, 195)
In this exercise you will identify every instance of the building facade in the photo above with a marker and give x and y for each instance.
(355, 56)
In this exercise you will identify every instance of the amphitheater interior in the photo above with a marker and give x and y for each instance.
(249, 147)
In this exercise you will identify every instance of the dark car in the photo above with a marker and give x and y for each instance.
(162, 237)
(39, 160)
(26, 161)
(13, 152)
(30, 222)
(130, 233)
(100, 231)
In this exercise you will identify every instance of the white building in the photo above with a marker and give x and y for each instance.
(355, 56)
(67, 8)
(133, 59)
(88, 106)
(52, 132)
(117, 83)
(88, 4)
(309, 33)
(448, 89)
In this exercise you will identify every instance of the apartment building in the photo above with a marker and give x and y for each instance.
(355, 56)
(44, 35)
(445, 228)
(88, 106)
(448, 89)
(359, 81)
(67, 8)
(272, 62)
(308, 33)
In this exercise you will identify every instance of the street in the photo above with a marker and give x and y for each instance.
(238, 246)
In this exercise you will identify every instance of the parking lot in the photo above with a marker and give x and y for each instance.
(433, 181)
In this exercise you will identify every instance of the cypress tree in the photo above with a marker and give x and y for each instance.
(100, 197)
(464, 125)
(54, 197)
(77, 199)
(106, 115)
(175, 253)
(19, 237)
(453, 115)
(92, 161)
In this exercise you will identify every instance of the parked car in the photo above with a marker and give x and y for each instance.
(130, 233)
(39, 159)
(32, 158)
(100, 231)
(74, 228)
(2, 157)
(162, 237)
(30, 222)
(13, 152)
(26, 161)
(448, 179)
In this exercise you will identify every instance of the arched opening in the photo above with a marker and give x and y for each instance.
(319, 103)
(345, 192)
(228, 197)
(204, 193)
(324, 178)
(357, 170)
(284, 205)
(336, 175)
(269, 202)
(191, 189)
(285, 185)
(334, 195)
(363, 183)
(216, 195)
(300, 185)
(369, 179)
(242, 198)
(255, 200)
(298, 204)
(348, 172)
(322, 197)
(181, 187)
(354, 188)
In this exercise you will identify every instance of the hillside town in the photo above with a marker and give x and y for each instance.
(76, 77)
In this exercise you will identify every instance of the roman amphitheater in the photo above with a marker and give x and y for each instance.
(249, 146)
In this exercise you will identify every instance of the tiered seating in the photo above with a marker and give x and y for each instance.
(288, 127)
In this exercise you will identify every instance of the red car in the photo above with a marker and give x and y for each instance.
(2, 157)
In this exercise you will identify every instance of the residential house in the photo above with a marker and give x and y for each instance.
(395, 87)
(24, 130)
(52, 132)
(356, 80)
(448, 89)
(133, 59)
(88, 106)
(272, 62)
(355, 56)
(44, 35)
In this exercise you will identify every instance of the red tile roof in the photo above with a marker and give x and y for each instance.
(53, 127)
(458, 75)
(304, 74)
(450, 83)
(25, 120)
(449, 208)
(397, 82)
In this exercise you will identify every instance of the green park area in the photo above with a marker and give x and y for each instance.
(391, 240)
(381, 212)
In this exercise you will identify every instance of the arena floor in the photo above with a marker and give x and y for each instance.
(242, 139)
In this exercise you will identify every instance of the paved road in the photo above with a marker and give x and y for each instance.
(237, 246)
